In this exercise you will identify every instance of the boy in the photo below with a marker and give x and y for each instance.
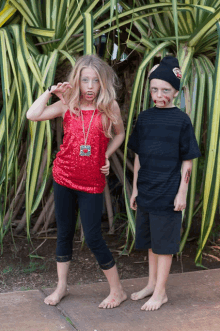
(163, 141)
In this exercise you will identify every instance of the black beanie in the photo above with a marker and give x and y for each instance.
(167, 70)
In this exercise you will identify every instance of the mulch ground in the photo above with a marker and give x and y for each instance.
(25, 266)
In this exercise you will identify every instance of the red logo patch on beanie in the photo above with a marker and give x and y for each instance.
(177, 72)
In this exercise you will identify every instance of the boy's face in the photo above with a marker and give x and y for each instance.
(162, 93)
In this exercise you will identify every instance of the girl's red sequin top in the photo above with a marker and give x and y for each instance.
(81, 172)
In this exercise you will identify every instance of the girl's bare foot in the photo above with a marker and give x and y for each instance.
(54, 298)
(155, 302)
(115, 298)
(145, 292)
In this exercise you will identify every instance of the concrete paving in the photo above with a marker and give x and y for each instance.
(194, 305)
(25, 311)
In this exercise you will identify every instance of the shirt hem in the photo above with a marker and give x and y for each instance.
(91, 189)
(158, 212)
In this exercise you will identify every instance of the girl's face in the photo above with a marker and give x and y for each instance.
(89, 85)
(162, 93)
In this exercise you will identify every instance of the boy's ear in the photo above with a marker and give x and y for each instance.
(176, 93)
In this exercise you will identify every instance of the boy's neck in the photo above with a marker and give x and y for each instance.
(168, 106)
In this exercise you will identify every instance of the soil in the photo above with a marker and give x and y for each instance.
(26, 266)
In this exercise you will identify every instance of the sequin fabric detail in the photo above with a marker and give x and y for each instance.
(81, 172)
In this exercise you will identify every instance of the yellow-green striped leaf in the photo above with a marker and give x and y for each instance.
(88, 33)
(41, 32)
(6, 12)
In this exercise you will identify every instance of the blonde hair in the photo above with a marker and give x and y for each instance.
(106, 96)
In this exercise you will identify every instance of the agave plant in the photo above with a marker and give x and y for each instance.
(38, 36)
(35, 37)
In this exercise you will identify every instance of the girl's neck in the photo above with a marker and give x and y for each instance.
(87, 105)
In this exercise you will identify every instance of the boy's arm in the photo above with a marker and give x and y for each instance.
(133, 204)
(180, 199)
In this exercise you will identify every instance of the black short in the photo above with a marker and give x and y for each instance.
(161, 233)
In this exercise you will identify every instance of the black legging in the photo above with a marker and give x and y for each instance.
(90, 206)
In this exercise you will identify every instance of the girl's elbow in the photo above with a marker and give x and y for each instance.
(29, 117)
(123, 133)
(120, 135)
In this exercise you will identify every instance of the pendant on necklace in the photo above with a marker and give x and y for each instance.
(85, 150)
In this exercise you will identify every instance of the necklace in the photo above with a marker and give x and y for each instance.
(85, 150)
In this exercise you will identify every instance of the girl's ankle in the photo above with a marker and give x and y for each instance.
(151, 284)
(62, 285)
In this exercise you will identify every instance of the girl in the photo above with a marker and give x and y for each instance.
(89, 110)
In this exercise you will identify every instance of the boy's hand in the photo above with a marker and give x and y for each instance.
(180, 202)
(105, 168)
(133, 203)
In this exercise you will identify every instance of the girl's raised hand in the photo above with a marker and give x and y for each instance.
(105, 168)
(60, 89)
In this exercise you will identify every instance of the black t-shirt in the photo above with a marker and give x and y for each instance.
(162, 138)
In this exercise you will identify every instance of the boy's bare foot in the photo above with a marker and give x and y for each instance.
(115, 298)
(145, 292)
(54, 298)
(155, 302)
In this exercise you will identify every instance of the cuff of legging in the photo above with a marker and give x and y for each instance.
(64, 258)
(108, 265)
